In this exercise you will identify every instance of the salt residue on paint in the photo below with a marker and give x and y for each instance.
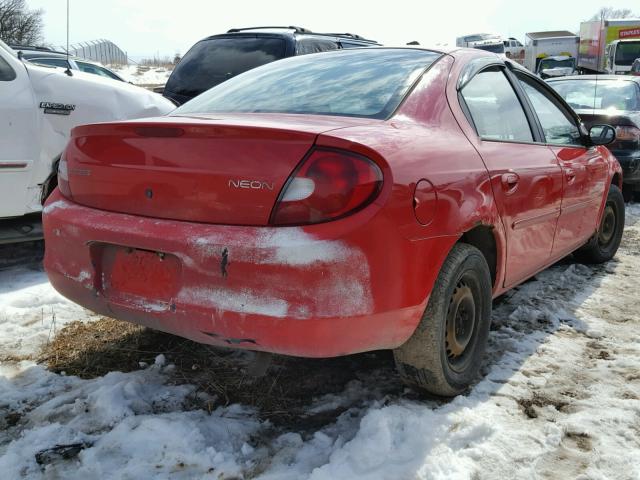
(242, 301)
(292, 246)
(58, 204)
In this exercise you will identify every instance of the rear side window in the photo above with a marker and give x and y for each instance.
(312, 45)
(211, 62)
(558, 127)
(344, 44)
(6, 72)
(495, 108)
(360, 83)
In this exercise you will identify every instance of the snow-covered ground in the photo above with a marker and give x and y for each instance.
(561, 399)
(153, 76)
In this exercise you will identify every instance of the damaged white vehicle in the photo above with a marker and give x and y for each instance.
(38, 108)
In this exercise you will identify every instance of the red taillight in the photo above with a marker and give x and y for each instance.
(328, 185)
(626, 134)
(63, 177)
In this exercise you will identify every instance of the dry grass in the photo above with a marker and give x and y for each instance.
(93, 349)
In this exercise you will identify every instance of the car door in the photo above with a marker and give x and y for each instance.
(18, 137)
(585, 173)
(525, 175)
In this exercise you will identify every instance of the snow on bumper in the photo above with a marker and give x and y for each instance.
(271, 289)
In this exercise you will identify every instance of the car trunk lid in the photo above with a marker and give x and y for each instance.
(215, 169)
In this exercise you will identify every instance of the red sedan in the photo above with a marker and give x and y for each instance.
(336, 203)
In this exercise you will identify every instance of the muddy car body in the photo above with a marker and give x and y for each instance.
(369, 215)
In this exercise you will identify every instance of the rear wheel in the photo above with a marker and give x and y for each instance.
(444, 353)
(604, 244)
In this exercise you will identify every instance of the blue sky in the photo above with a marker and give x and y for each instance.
(151, 27)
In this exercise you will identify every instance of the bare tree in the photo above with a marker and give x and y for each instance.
(19, 24)
(610, 12)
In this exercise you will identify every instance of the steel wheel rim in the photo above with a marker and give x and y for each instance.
(461, 323)
(608, 226)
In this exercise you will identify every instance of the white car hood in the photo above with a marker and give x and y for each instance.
(95, 99)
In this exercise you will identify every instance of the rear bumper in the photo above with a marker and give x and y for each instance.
(281, 290)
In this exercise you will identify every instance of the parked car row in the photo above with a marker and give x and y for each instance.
(615, 100)
(301, 208)
(38, 107)
(51, 58)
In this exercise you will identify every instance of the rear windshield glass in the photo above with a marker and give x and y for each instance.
(495, 48)
(361, 83)
(569, 62)
(211, 62)
(603, 94)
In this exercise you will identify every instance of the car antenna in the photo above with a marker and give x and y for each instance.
(595, 87)
(68, 70)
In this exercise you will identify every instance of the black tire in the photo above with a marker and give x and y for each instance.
(439, 358)
(604, 244)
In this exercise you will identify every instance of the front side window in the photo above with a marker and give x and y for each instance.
(6, 72)
(627, 52)
(368, 83)
(495, 108)
(558, 127)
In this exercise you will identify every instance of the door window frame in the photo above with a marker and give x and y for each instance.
(536, 131)
(554, 97)
(469, 72)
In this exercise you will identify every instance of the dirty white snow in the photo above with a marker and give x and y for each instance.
(31, 311)
(560, 399)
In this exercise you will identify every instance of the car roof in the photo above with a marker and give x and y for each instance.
(292, 32)
(622, 78)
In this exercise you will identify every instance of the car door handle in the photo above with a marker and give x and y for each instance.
(510, 181)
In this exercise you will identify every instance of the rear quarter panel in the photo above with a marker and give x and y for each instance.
(423, 141)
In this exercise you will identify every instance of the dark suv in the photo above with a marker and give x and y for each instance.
(217, 58)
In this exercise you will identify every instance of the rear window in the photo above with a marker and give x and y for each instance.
(496, 48)
(601, 94)
(367, 83)
(211, 62)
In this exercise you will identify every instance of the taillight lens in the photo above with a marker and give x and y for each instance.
(328, 185)
(63, 177)
(627, 134)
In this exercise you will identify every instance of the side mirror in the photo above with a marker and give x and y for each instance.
(602, 134)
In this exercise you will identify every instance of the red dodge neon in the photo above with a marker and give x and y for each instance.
(335, 203)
